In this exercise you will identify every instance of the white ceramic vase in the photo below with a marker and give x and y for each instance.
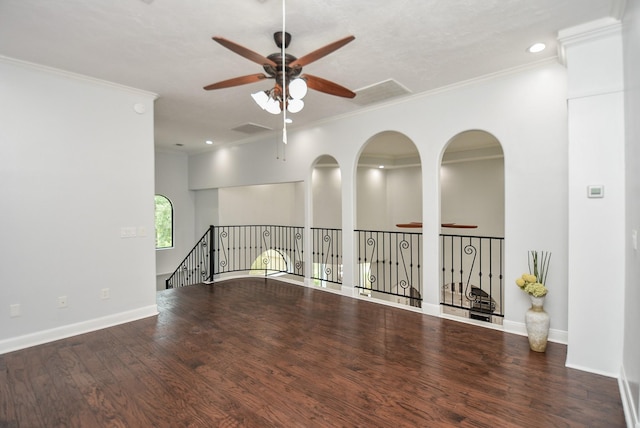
(537, 322)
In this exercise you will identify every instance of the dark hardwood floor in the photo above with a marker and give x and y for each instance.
(262, 353)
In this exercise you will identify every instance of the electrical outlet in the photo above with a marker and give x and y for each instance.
(104, 293)
(14, 310)
(62, 301)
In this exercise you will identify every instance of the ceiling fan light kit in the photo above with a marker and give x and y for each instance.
(266, 102)
(295, 105)
(261, 98)
(298, 88)
(273, 106)
(272, 100)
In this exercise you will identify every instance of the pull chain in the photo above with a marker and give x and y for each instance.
(284, 77)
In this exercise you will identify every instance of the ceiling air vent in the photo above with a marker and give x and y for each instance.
(379, 92)
(251, 128)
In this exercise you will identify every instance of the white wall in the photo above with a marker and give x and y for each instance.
(171, 180)
(273, 204)
(327, 203)
(596, 226)
(404, 196)
(76, 167)
(631, 352)
(371, 207)
(524, 110)
(299, 209)
(472, 192)
(207, 210)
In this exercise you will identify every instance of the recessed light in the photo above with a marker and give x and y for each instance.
(209, 142)
(381, 166)
(536, 47)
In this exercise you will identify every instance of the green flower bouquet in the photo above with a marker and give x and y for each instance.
(533, 282)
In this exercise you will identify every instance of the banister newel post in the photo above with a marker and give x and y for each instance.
(212, 252)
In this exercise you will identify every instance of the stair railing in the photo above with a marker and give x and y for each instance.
(267, 249)
(197, 266)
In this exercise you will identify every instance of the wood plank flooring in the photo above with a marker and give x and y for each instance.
(262, 353)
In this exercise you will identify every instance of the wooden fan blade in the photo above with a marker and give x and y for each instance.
(236, 81)
(323, 85)
(319, 53)
(242, 51)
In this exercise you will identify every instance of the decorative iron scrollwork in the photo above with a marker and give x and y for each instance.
(373, 244)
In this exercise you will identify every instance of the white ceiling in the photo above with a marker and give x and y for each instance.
(165, 47)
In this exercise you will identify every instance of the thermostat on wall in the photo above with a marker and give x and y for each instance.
(595, 191)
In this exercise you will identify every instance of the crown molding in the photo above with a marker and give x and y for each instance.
(274, 134)
(587, 32)
(75, 76)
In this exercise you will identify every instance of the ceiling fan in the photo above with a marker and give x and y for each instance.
(285, 70)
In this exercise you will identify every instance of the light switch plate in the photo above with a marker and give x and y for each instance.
(128, 232)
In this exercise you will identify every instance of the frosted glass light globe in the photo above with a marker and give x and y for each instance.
(297, 89)
(294, 106)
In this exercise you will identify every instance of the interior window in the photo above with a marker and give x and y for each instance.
(164, 222)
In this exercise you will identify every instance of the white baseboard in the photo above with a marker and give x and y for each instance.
(630, 411)
(557, 336)
(431, 309)
(45, 336)
(591, 370)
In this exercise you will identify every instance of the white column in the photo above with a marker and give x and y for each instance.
(593, 56)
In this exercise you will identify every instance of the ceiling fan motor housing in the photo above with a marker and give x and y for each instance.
(280, 37)
(288, 73)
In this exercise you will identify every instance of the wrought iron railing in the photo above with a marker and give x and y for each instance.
(264, 249)
(389, 263)
(326, 251)
(196, 267)
(259, 248)
(472, 276)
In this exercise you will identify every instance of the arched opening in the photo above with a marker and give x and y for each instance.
(389, 196)
(472, 234)
(326, 223)
(271, 262)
